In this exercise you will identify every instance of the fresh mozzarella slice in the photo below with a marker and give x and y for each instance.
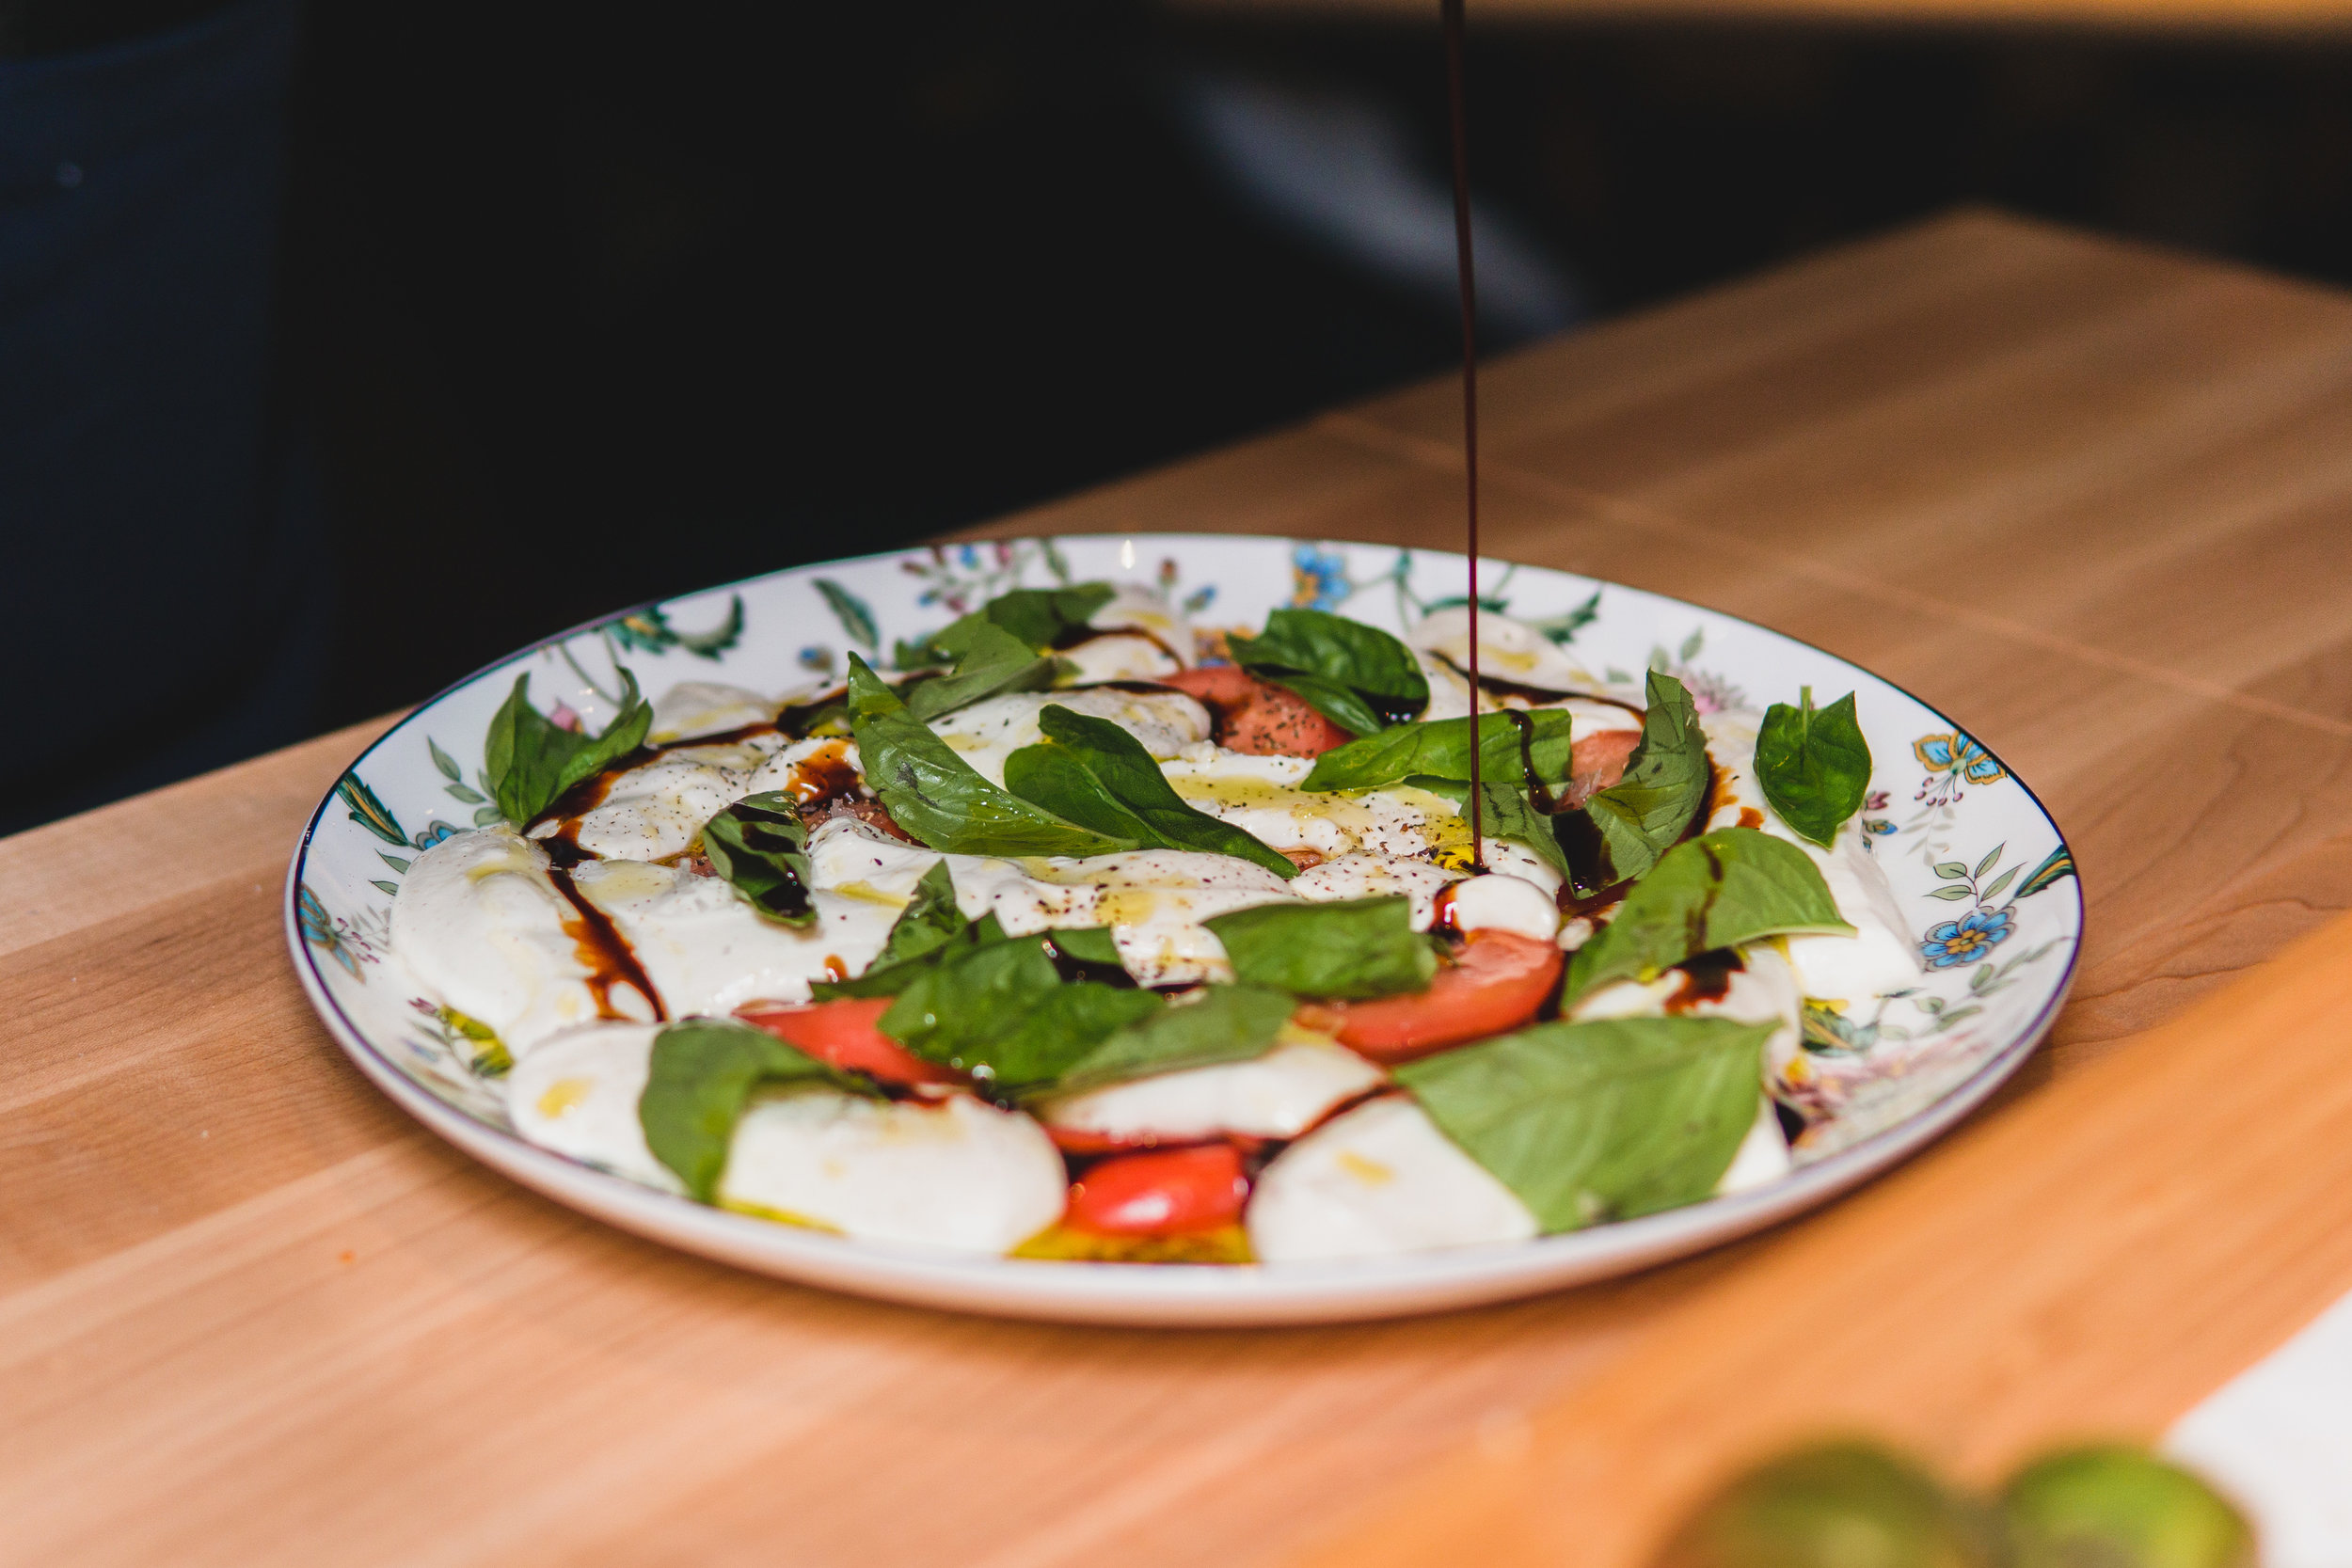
(985, 733)
(707, 951)
(1136, 607)
(805, 769)
(692, 708)
(1763, 991)
(1499, 902)
(1881, 956)
(1260, 795)
(480, 923)
(654, 812)
(1448, 688)
(1378, 1180)
(954, 1173)
(1511, 857)
(1590, 716)
(1279, 1095)
(1368, 876)
(1117, 657)
(578, 1094)
(856, 857)
(1508, 650)
(1153, 901)
(1763, 1156)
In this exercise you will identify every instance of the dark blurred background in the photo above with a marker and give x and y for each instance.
(569, 309)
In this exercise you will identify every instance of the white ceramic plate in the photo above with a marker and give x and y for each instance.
(1970, 851)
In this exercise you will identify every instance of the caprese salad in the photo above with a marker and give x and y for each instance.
(1080, 934)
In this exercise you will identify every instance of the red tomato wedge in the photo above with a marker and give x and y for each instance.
(1598, 762)
(843, 1034)
(1495, 984)
(1258, 716)
(1174, 1193)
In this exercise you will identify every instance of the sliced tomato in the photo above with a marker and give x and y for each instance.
(843, 1034)
(1598, 762)
(1258, 716)
(1496, 984)
(1173, 1192)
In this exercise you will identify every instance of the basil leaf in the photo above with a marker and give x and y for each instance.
(1667, 781)
(929, 921)
(1506, 811)
(1038, 617)
(1589, 1122)
(1003, 1014)
(701, 1074)
(1439, 748)
(937, 796)
(993, 662)
(1096, 774)
(1356, 675)
(1814, 768)
(1351, 947)
(756, 847)
(1719, 890)
(529, 762)
(1086, 945)
(889, 976)
(1229, 1024)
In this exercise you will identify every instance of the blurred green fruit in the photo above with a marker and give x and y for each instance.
(2119, 1507)
(1838, 1505)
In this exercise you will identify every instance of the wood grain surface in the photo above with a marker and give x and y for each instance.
(2091, 499)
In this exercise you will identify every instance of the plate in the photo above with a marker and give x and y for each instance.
(1971, 853)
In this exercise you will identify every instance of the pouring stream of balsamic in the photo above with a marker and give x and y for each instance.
(1451, 10)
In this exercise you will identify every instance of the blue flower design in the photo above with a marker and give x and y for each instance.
(434, 832)
(1318, 578)
(1968, 939)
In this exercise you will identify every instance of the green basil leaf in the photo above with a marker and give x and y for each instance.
(1003, 1014)
(1040, 617)
(929, 921)
(1667, 781)
(1096, 774)
(1439, 748)
(528, 763)
(1356, 675)
(1719, 890)
(1353, 948)
(701, 1074)
(1814, 768)
(891, 976)
(937, 796)
(1088, 944)
(1506, 811)
(1590, 1122)
(1228, 1023)
(757, 846)
(993, 662)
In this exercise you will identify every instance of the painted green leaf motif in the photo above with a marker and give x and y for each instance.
(383, 886)
(1003, 1014)
(530, 762)
(1598, 1121)
(719, 639)
(1226, 1024)
(2001, 882)
(1814, 767)
(487, 815)
(1949, 893)
(992, 662)
(1719, 890)
(369, 812)
(857, 622)
(1665, 781)
(1352, 948)
(1951, 871)
(758, 846)
(1356, 675)
(1991, 859)
(465, 796)
(1094, 773)
(701, 1072)
(1441, 749)
(395, 862)
(939, 797)
(442, 760)
(2057, 865)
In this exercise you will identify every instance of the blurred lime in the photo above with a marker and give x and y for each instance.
(2119, 1507)
(1839, 1505)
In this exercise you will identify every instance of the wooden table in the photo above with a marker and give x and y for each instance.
(2094, 500)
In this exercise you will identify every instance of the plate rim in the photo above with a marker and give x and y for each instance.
(1165, 1295)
